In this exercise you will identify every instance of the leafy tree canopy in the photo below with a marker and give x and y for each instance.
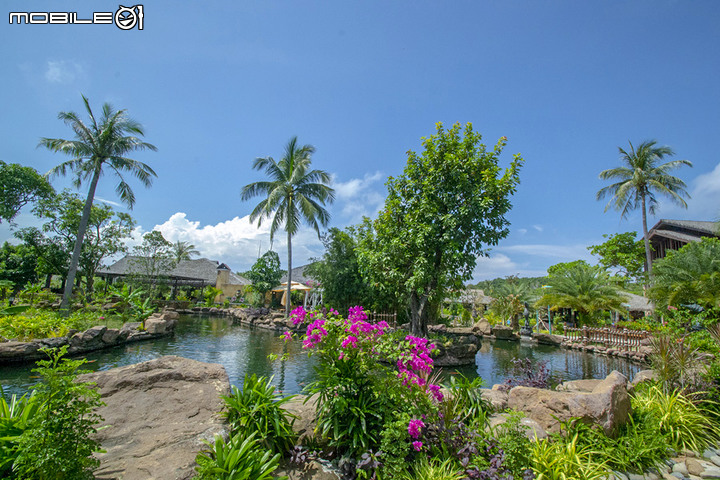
(339, 272)
(439, 216)
(17, 264)
(621, 252)
(265, 273)
(20, 186)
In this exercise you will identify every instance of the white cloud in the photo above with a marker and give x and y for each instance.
(359, 197)
(236, 242)
(703, 204)
(64, 72)
(109, 202)
(522, 231)
(539, 228)
(499, 265)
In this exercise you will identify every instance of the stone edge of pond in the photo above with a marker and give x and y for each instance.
(95, 338)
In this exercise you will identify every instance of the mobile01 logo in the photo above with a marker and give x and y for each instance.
(125, 18)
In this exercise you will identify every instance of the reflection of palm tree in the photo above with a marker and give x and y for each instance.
(639, 179)
(97, 145)
(293, 194)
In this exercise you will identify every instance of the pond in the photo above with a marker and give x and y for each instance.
(242, 349)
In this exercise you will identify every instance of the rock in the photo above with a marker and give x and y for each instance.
(156, 325)
(586, 386)
(170, 315)
(681, 468)
(483, 327)
(18, 350)
(157, 414)
(90, 339)
(644, 376)
(694, 467)
(497, 398)
(111, 336)
(53, 342)
(533, 430)
(711, 472)
(607, 405)
(547, 339)
(131, 326)
(304, 408)
(504, 333)
(715, 459)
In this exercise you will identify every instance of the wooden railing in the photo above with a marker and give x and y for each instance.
(390, 318)
(609, 337)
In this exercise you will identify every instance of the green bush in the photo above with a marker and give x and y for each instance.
(396, 448)
(57, 442)
(686, 426)
(15, 417)
(424, 469)
(37, 323)
(242, 458)
(564, 459)
(258, 409)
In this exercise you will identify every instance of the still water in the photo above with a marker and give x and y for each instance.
(242, 350)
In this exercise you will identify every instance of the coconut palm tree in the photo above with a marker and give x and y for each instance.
(294, 193)
(98, 145)
(639, 179)
(183, 251)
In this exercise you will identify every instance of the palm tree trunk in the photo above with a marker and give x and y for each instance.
(289, 277)
(648, 258)
(67, 294)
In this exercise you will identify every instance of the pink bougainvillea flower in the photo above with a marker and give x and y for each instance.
(417, 446)
(287, 336)
(414, 427)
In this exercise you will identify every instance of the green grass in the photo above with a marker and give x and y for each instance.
(43, 323)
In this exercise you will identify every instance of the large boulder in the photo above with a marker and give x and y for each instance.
(607, 405)
(496, 397)
(586, 386)
(157, 414)
(547, 339)
(504, 333)
(483, 327)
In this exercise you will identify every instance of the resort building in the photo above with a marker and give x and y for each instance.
(673, 234)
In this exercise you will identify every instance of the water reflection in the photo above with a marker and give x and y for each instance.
(243, 349)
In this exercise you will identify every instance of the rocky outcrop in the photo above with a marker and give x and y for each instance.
(483, 327)
(547, 339)
(644, 376)
(607, 405)
(157, 414)
(504, 333)
(585, 386)
(95, 338)
(497, 398)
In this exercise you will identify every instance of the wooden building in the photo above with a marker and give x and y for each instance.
(674, 234)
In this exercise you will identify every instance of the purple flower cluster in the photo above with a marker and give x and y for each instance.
(298, 315)
(416, 365)
(315, 333)
(414, 431)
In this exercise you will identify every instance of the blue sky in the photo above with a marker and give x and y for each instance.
(217, 84)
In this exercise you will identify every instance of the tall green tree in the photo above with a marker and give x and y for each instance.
(510, 298)
(183, 251)
(265, 273)
(17, 264)
(19, 186)
(622, 252)
(439, 216)
(98, 146)
(294, 193)
(154, 259)
(637, 182)
(105, 235)
(339, 272)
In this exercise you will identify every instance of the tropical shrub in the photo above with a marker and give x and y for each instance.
(57, 442)
(564, 459)
(686, 425)
(257, 408)
(425, 469)
(15, 417)
(241, 458)
(34, 323)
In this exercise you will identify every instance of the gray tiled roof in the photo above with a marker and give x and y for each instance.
(710, 228)
(298, 275)
(198, 269)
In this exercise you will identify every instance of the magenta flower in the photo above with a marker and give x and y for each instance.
(417, 446)
(287, 336)
(414, 427)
